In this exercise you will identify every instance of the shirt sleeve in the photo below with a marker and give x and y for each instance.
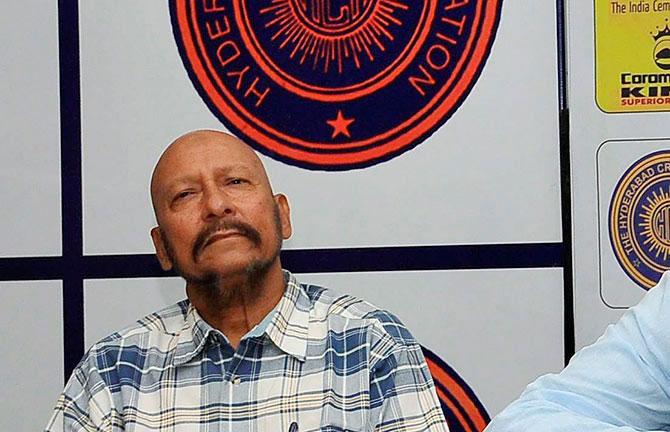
(85, 404)
(620, 383)
(402, 392)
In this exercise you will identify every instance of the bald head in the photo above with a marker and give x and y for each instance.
(218, 221)
(185, 156)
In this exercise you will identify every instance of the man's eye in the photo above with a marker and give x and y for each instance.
(236, 181)
(182, 195)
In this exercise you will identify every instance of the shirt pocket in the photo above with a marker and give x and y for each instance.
(336, 419)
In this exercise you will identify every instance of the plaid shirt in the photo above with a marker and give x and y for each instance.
(323, 362)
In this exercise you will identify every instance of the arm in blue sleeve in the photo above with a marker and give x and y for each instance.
(86, 404)
(620, 383)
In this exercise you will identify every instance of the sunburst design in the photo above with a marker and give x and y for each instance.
(656, 223)
(363, 28)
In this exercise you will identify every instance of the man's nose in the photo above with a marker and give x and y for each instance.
(216, 204)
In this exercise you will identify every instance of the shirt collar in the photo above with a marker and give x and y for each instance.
(287, 328)
(193, 336)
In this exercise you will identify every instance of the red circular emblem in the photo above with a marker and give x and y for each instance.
(334, 84)
(462, 409)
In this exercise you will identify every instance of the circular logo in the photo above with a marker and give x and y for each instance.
(334, 84)
(462, 409)
(662, 47)
(639, 219)
(662, 53)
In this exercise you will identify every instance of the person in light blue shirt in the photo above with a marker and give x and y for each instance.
(620, 383)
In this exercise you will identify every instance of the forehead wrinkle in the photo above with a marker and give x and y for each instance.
(208, 139)
(190, 179)
(238, 168)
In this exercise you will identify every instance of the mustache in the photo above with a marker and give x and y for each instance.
(238, 226)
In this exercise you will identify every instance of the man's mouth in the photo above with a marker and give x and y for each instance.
(220, 235)
(221, 231)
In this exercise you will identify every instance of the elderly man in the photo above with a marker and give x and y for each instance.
(251, 349)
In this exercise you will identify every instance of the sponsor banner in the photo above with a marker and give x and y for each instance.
(634, 188)
(632, 39)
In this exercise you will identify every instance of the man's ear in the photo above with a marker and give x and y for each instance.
(161, 251)
(284, 215)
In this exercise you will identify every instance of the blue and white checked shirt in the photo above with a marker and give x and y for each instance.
(323, 362)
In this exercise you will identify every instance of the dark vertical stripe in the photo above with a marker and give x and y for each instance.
(566, 198)
(71, 195)
(73, 323)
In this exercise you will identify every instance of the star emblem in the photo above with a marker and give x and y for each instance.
(636, 262)
(340, 125)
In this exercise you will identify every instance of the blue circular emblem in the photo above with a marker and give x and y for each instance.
(639, 219)
(334, 84)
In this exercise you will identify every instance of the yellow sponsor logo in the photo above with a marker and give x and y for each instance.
(632, 55)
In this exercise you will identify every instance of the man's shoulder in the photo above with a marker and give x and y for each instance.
(148, 331)
(345, 311)
(119, 357)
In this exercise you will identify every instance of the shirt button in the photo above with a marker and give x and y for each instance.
(236, 380)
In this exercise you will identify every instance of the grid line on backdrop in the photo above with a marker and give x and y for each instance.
(566, 186)
(71, 183)
(73, 267)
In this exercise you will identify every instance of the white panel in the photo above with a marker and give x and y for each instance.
(589, 128)
(489, 175)
(107, 309)
(136, 98)
(29, 129)
(31, 353)
(499, 329)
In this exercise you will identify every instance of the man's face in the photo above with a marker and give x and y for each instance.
(216, 213)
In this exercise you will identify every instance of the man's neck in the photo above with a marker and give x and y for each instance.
(234, 307)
